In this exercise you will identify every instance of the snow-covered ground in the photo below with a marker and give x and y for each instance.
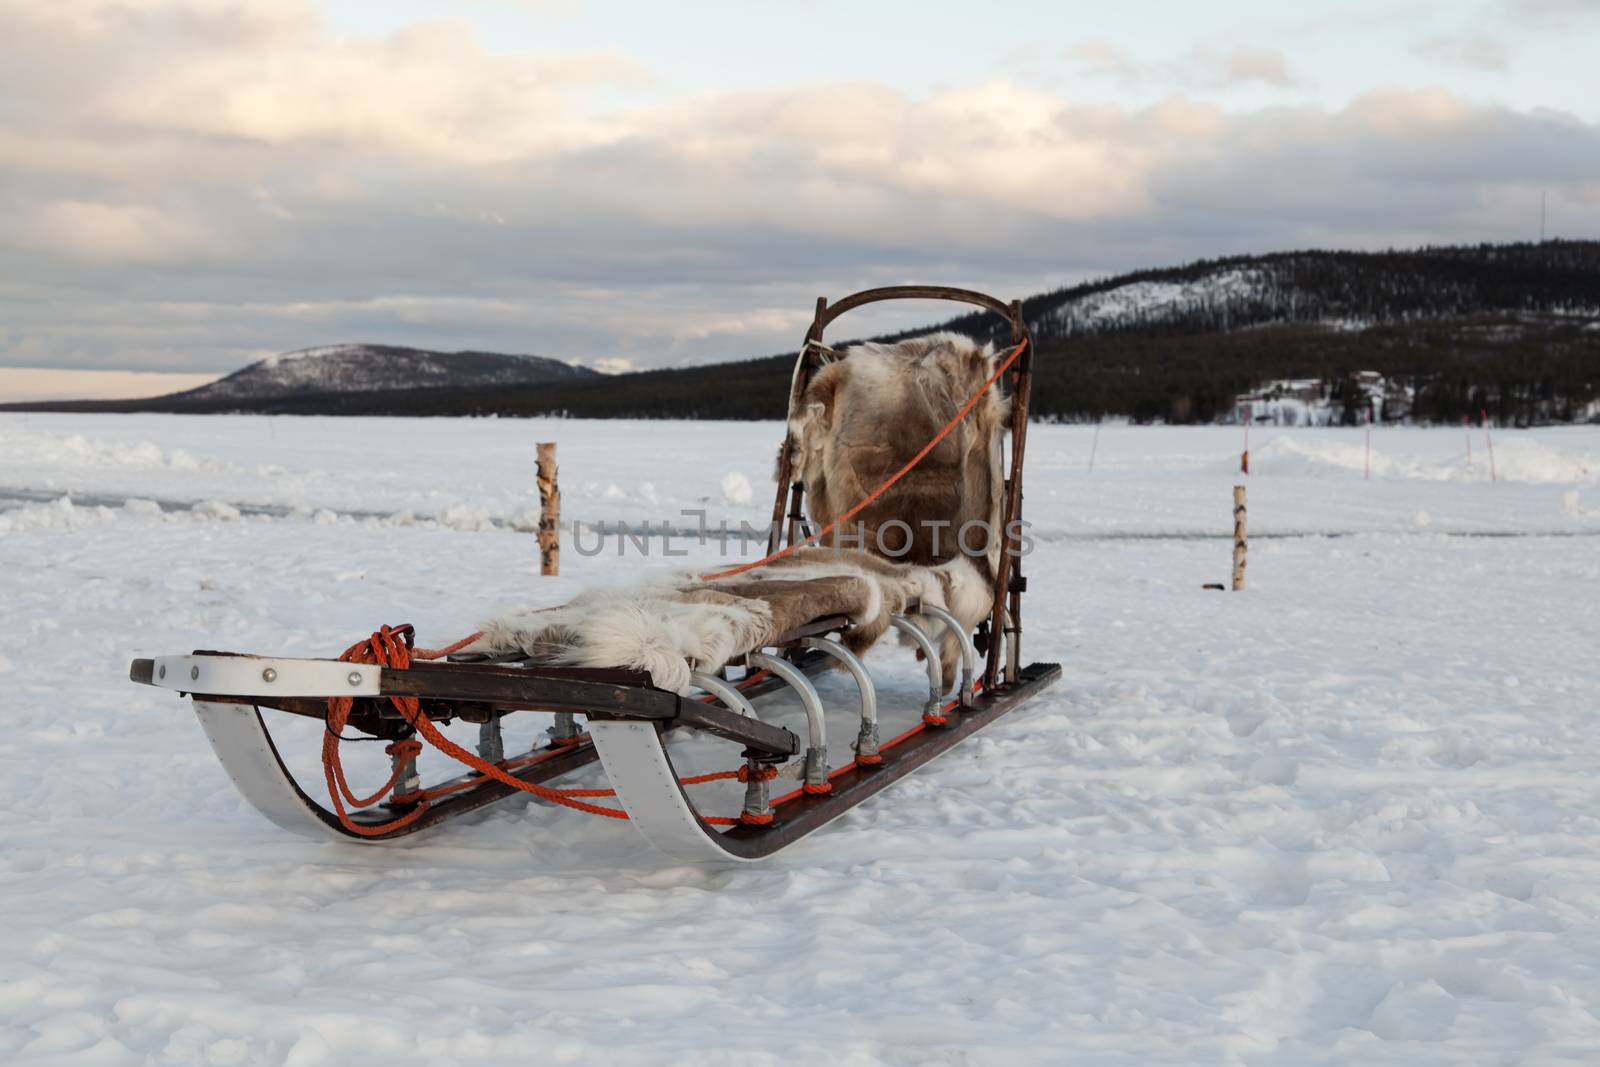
(1348, 816)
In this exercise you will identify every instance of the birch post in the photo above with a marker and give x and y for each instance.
(1366, 474)
(549, 511)
(1488, 439)
(1239, 545)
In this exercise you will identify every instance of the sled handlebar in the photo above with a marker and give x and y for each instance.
(827, 312)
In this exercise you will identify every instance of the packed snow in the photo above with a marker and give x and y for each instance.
(1340, 817)
(319, 352)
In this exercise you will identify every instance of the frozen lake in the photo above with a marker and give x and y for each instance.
(1346, 816)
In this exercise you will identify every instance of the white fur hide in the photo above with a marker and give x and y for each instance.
(659, 627)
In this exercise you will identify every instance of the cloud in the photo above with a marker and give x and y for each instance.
(1201, 67)
(99, 232)
(1476, 51)
(188, 183)
(1241, 66)
(1555, 10)
(270, 73)
(1102, 59)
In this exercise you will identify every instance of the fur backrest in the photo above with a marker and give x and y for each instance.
(863, 417)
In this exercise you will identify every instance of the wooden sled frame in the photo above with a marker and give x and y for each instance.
(626, 716)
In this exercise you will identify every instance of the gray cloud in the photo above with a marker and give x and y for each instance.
(1241, 66)
(1102, 59)
(1476, 51)
(1560, 10)
(1201, 67)
(190, 185)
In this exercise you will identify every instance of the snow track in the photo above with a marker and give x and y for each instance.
(1349, 816)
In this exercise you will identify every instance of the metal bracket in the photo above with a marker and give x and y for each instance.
(261, 676)
(935, 705)
(969, 652)
(816, 725)
(719, 688)
(491, 740)
(867, 739)
(566, 729)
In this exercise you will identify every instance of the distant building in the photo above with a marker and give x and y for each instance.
(1290, 402)
(1322, 402)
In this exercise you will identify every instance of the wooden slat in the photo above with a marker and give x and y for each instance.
(825, 625)
(728, 725)
(526, 688)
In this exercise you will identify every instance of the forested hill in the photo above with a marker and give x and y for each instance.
(1343, 290)
(1511, 329)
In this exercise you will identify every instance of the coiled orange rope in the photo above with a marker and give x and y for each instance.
(392, 647)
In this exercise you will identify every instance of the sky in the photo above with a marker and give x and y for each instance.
(188, 185)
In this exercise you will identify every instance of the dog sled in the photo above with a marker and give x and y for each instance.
(811, 606)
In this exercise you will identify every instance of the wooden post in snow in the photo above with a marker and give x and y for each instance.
(1488, 439)
(1239, 546)
(1367, 470)
(549, 511)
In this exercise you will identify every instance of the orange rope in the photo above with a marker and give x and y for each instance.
(333, 767)
(895, 477)
(390, 650)
(441, 653)
(388, 647)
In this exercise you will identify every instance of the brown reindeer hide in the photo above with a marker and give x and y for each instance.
(865, 416)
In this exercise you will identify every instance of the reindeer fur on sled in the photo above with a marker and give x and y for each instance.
(860, 420)
(679, 624)
(863, 417)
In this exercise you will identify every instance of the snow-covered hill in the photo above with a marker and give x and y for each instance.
(1341, 290)
(1157, 300)
(358, 368)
